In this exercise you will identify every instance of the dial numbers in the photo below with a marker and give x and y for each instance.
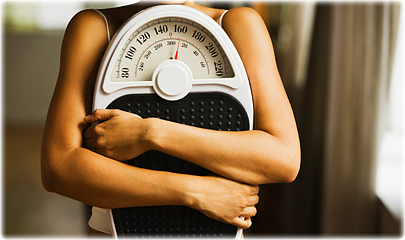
(152, 55)
(168, 38)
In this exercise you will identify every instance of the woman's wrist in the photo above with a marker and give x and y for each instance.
(190, 191)
(150, 134)
(155, 132)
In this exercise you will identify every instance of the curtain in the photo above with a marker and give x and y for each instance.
(336, 104)
(360, 60)
(335, 86)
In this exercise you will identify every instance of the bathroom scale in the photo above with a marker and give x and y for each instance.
(175, 63)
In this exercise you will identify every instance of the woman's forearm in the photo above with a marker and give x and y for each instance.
(254, 157)
(99, 181)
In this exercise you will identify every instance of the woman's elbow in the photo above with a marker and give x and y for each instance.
(288, 168)
(51, 173)
(293, 164)
(47, 181)
(48, 177)
(47, 184)
(292, 173)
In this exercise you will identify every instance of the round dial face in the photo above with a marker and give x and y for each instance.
(170, 38)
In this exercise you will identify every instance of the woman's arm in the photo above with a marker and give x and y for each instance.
(270, 153)
(76, 172)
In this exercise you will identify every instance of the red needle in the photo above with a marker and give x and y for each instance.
(177, 51)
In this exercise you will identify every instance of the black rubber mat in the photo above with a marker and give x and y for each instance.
(216, 111)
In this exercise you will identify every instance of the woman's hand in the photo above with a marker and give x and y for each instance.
(120, 135)
(226, 200)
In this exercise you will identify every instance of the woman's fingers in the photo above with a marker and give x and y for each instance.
(244, 220)
(254, 190)
(90, 142)
(249, 212)
(92, 134)
(253, 200)
(87, 135)
(100, 115)
(243, 223)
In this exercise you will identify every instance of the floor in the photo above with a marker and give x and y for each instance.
(29, 210)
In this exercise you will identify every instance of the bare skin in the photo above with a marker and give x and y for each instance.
(268, 154)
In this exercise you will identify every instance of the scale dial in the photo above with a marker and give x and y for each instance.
(185, 45)
(171, 38)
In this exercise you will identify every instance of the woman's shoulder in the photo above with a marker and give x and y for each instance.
(242, 16)
(245, 26)
(86, 23)
(87, 18)
(84, 41)
(85, 26)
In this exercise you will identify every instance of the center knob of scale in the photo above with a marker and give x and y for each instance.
(172, 80)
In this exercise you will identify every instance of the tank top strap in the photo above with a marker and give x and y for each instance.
(106, 23)
(222, 16)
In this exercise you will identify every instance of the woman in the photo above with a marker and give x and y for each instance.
(243, 160)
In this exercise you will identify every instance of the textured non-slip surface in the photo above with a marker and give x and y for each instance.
(216, 111)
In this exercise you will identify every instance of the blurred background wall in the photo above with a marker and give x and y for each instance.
(342, 67)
